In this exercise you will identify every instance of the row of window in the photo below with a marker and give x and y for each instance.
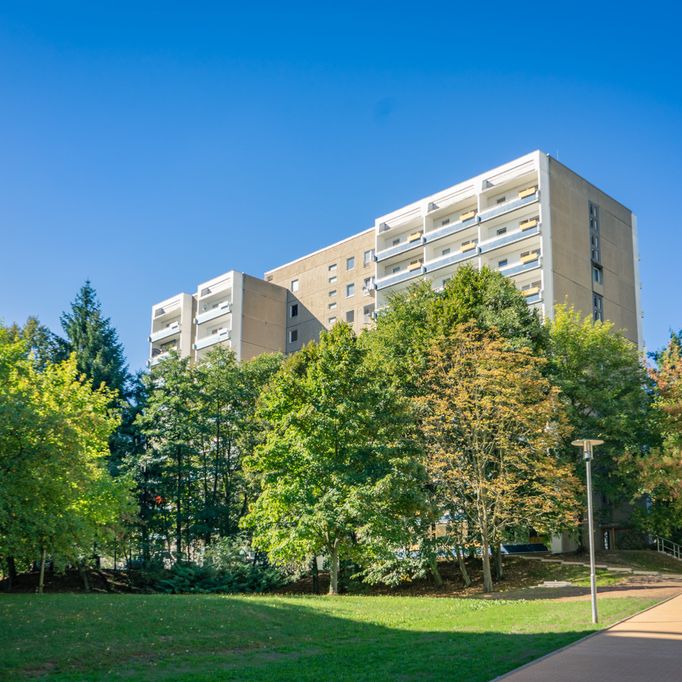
(367, 258)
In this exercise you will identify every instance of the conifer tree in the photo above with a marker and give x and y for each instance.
(91, 336)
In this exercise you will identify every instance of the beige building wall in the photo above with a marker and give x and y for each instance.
(572, 267)
(334, 283)
(263, 328)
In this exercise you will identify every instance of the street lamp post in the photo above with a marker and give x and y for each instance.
(587, 446)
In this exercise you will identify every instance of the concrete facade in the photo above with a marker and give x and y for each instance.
(573, 265)
(334, 283)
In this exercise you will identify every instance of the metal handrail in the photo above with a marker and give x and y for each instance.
(665, 546)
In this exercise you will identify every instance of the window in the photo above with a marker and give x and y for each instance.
(294, 285)
(446, 221)
(332, 279)
(396, 268)
(396, 241)
(501, 200)
(597, 308)
(597, 274)
(331, 321)
(595, 237)
(445, 252)
(350, 316)
(332, 267)
(350, 263)
(332, 306)
(350, 290)
(368, 257)
(367, 313)
(293, 335)
(332, 293)
(502, 263)
(367, 286)
(501, 230)
(293, 310)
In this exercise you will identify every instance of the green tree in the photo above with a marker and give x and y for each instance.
(492, 427)
(56, 496)
(169, 427)
(43, 345)
(337, 469)
(659, 473)
(94, 340)
(607, 394)
(413, 319)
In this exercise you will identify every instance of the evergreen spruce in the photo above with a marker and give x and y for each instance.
(99, 353)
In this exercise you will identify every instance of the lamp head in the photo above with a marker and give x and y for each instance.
(587, 444)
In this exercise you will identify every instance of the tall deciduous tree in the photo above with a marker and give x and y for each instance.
(607, 394)
(414, 318)
(56, 496)
(337, 472)
(94, 340)
(659, 473)
(492, 426)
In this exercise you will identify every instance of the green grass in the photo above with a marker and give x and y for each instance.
(210, 637)
(641, 559)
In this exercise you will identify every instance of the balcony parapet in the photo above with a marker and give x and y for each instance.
(223, 309)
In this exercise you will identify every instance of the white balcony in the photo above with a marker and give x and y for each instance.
(510, 238)
(156, 359)
(468, 251)
(524, 197)
(400, 248)
(165, 333)
(223, 334)
(398, 277)
(221, 309)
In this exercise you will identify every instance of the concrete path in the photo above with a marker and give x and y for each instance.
(645, 647)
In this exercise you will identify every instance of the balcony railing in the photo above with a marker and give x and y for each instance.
(398, 277)
(509, 238)
(533, 298)
(166, 332)
(220, 335)
(511, 270)
(156, 359)
(451, 258)
(509, 206)
(449, 229)
(223, 309)
(399, 248)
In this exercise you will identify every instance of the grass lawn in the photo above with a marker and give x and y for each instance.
(211, 637)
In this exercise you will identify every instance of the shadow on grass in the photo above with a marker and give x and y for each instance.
(201, 637)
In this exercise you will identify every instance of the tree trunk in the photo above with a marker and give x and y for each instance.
(316, 576)
(334, 569)
(41, 580)
(435, 573)
(84, 576)
(11, 573)
(178, 508)
(499, 572)
(487, 575)
(462, 566)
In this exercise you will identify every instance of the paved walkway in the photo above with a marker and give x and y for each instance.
(645, 647)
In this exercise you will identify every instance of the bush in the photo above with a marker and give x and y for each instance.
(229, 566)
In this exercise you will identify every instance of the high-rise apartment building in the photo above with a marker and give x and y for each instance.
(556, 236)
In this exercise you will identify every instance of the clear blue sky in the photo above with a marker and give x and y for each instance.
(153, 145)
